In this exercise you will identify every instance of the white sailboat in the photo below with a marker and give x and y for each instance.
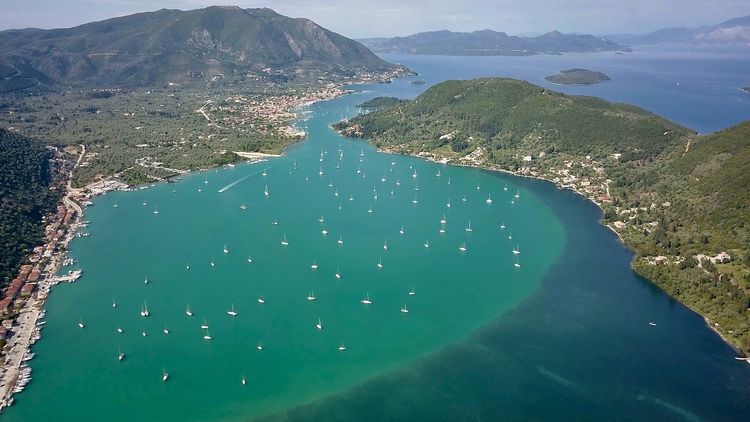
(366, 300)
(243, 381)
(385, 245)
(338, 274)
(319, 325)
(443, 220)
(442, 228)
(415, 200)
(265, 191)
(213, 263)
(226, 249)
(207, 336)
(143, 333)
(502, 226)
(259, 346)
(166, 330)
(188, 312)
(462, 248)
(427, 244)
(448, 204)
(321, 219)
(231, 311)
(468, 228)
(324, 231)
(284, 242)
(342, 347)
(311, 296)
(517, 250)
(264, 174)
(405, 310)
(489, 199)
(380, 263)
(80, 323)
(518, 194)
(145, 280)
(249, 259)
(156, 210)
(314, 266)
(120, 355)
(205, 324)
(401, 231)
(341, 240)
(114, 304)
(164, 375)
(119, 330)
(412, 292)
(261, 300)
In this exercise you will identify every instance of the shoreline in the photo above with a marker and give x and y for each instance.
(16, 372)
(447, 161)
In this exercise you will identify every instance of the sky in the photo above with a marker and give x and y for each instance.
(371, 18)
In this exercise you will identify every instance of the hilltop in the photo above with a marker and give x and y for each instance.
(681, 201)
(215, 44)
(489, 43)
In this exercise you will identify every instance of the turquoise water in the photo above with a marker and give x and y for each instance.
(565, 336)
(77, 374)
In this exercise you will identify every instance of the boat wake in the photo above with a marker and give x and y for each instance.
(229, 186)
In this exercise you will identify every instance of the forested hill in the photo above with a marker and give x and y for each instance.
(509, 116)
(211, 44)
(677, 199)
(25, 197)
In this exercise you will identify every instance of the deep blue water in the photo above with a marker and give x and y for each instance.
(698, 87)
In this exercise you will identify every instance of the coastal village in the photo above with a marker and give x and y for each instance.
(22, 304)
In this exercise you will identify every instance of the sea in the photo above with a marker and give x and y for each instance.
(371, 286)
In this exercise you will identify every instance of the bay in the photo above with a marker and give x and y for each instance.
(564, 336)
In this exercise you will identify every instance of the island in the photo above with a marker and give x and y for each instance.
(677, 199)
(577, 77)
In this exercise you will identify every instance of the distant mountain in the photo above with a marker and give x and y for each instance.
(180, 46)
(489, 43)
(733, 31)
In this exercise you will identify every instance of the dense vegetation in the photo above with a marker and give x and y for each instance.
(675, 196)
(379, 102)
(577, 77)
(25, 197)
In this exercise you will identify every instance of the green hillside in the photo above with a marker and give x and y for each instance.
(211, 44)
(25, 178)
(674, 197)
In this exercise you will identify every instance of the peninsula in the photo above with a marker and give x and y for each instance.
(577, 77)
(677, 199)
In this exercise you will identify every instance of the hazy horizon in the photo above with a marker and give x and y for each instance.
(388, 18)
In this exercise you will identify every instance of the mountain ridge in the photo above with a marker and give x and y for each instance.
(487, 42)
(169, 45)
